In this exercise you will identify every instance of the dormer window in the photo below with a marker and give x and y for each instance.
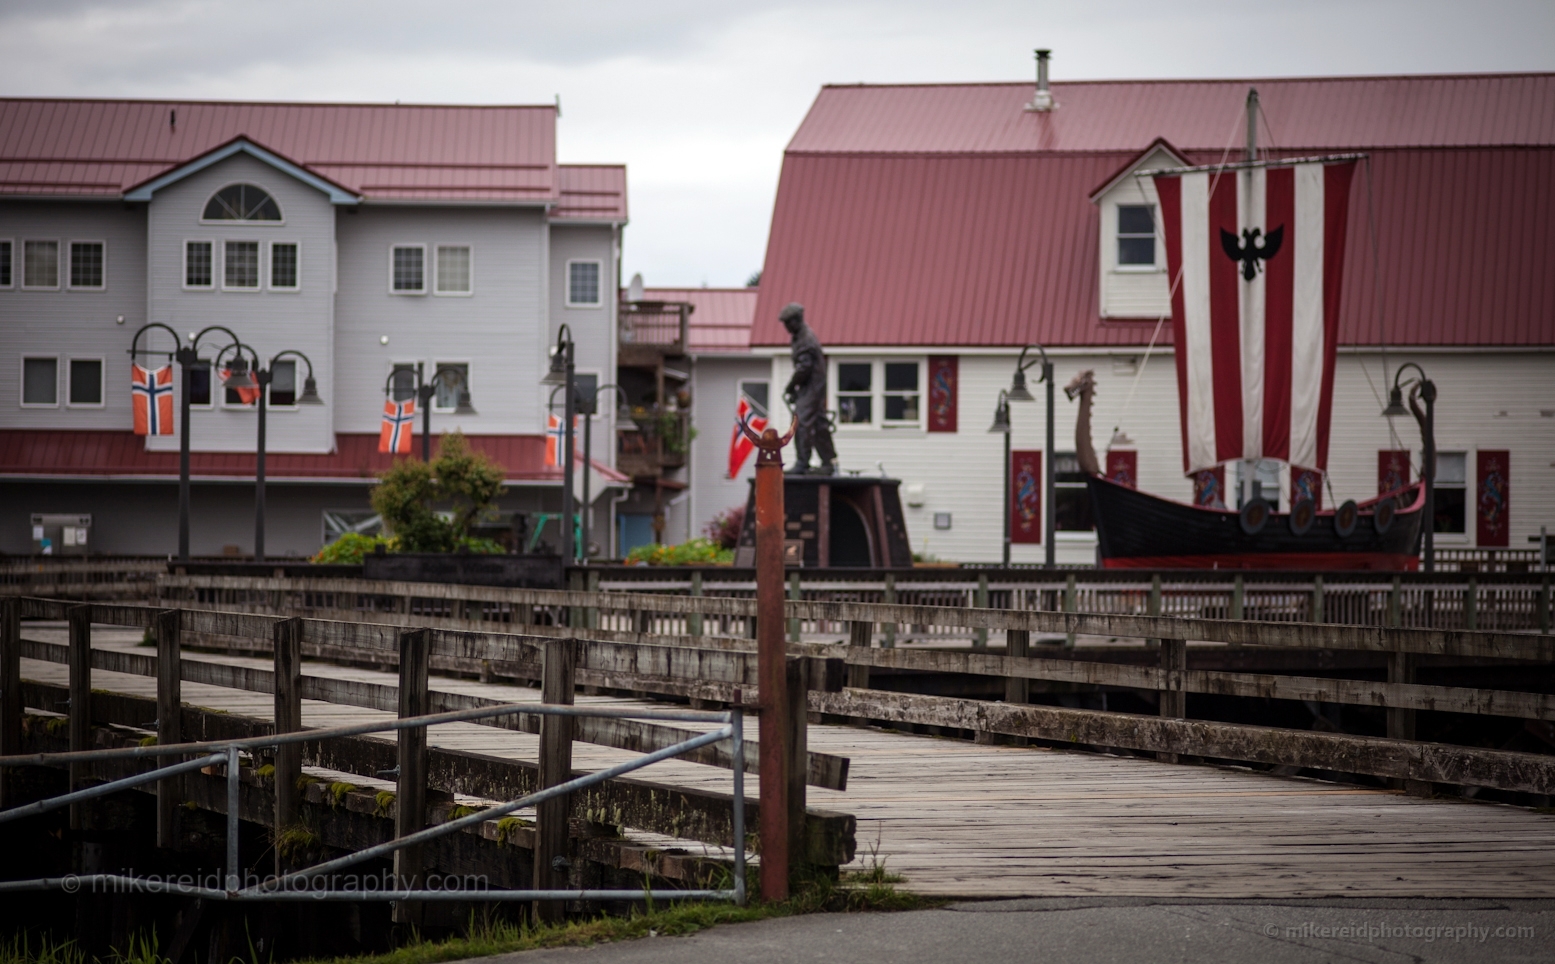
(1136, 236)
(241, 202)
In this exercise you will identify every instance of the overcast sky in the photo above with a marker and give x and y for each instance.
(699, 97)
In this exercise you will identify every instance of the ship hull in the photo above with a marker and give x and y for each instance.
(1136, 530)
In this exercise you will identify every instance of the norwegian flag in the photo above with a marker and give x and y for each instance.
(152, 399)
(246, 396)
(555, 439)
(398, 418)
(1256, 260)
(741, 447)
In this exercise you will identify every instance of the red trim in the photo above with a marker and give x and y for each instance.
(1225, 322)
(1304, 561)
(1169, 192)
(1279, 313)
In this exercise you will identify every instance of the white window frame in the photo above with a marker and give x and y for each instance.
(259, 268)
(425, 274)
(21, 382)
(102, 381)
(469, 375)
(185, 261)
(270, 284)
(388, 371)
(877, 392)
(298, 369)
(70, 263)
(437, 279)
(270, 224)
(1116, 238)
(567, 283)
(12, 255)
(1467, 487)
(59, 276)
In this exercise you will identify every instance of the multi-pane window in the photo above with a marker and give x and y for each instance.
(855, 393)
(452, 379)
(402, 381)
(241, 202)
(86, 381)
(40, 381)
(1452, 493)
(1136, 235)
(583, 283)
(1071, 499)
(240, 264)
(901, 392)
(86, 264)
(5, 264)
(283, 383)
(283, 264)
(198, 269)
(40, 264)
(453, 269)
(409, 269)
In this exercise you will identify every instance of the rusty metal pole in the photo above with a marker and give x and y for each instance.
(771, 655)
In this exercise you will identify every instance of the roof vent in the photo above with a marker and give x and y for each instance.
(1043, 99)
(634, 290)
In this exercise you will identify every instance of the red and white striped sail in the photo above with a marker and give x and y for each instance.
(1255, 356)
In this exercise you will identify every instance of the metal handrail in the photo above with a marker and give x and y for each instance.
(283, 887)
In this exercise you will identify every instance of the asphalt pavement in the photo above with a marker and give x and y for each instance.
(1114, 931)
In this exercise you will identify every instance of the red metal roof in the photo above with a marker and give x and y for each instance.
(74, 454)
(942, 216)
(591, 192)
(382, 151)
(721, 317)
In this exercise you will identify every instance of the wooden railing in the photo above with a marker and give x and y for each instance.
(710, 656)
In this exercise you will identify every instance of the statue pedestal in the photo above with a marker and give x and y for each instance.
(838, 521)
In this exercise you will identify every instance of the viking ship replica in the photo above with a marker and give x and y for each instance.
(1255, 252)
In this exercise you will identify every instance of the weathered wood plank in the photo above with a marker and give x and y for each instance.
(553, 857)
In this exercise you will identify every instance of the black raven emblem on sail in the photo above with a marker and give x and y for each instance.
(1249, 250)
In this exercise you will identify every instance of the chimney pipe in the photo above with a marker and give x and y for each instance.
(1043, 99)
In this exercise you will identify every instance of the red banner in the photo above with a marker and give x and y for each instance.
(1306, 484)
(1492, 499)
(1123, 468)
(943, 372)
(1209, 487)
(1026, 497)
(1392, 470)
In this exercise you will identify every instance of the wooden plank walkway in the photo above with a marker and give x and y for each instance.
(957, 819)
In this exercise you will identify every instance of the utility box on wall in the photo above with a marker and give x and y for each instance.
(60, 533)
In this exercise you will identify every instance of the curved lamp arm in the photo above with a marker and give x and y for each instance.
(1400, 374)
(135, 348)
(1022, 364)
(292, 351)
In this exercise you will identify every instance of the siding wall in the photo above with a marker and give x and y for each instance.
(960, 471)
(593, 329)
(715, 387)
(1133, 294)
(499, 330)
(73, 323)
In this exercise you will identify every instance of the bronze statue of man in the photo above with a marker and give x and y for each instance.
(806, 392)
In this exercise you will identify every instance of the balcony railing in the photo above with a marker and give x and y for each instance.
(656, 324)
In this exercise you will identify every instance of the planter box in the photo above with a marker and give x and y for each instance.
(530, 571)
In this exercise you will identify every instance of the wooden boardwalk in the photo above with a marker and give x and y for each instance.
(962, 820)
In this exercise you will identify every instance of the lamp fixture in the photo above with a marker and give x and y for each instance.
(310, 393)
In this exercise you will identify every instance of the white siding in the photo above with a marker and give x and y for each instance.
(593, 329)
(73, 323)
(499, 330)
(715, 389)
(1127, 293)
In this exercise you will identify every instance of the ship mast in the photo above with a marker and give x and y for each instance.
(1249, 466)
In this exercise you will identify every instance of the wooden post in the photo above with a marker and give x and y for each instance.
(1153, 604)
(1396, 603)
(169, 719)
(1017, 689)
(287, 635)
(1071, 600)
(694, 620)
(552, 856)
(591, 617)
(794, 595)
(859, 633)
(575, 584)
(10, 692)
(410, 796)
(771, 657)
(1471, 605)
(1319, 607)
(889, 629)
(1544, 596)
(796, 677)
(980, 601)
(1401, 669)
(80, 622)
(1238, 598)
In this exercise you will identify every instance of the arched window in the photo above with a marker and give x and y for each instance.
(241, 202)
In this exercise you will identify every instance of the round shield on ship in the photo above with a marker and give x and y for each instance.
(1301, 516)
(1346, 517)
(1382, 515)
(1255, 514)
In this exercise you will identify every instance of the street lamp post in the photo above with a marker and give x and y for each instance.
(588, 407)
(561, 373)
(1001, 425)
(1019, 393)
(1425, 389)
(310, 396)
(425, 389)
(187, 356)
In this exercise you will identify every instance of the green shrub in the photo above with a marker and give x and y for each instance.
(351, 547)
(468, 482)
(693, 552)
